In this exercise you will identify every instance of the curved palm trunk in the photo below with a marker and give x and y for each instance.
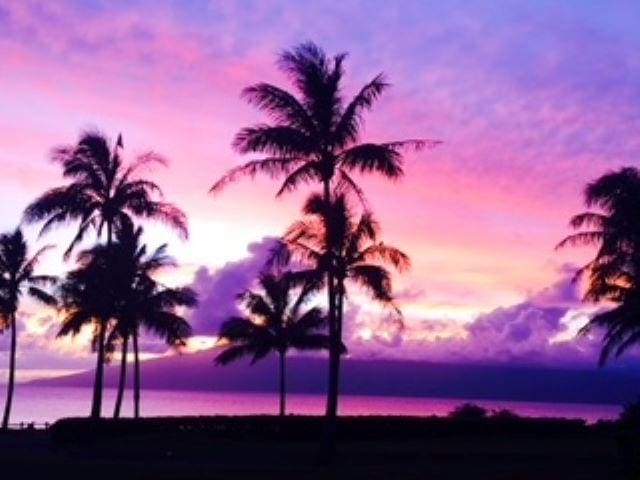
(123, 377)
(96, 404)
(136, 376)
(12, 372)
(283, 386)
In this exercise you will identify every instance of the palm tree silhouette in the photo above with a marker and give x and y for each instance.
(145, 303)
(614, 273)
(275, 324)
(314, 137)
(18, 278)
(103, 193)
(338, 244)
(113, 290)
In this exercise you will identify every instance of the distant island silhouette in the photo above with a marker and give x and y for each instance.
(382, 377)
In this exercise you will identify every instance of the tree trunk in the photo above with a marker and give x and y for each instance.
(329, 443)
(283, 391)
(123, 377)
(12, 372)
(136, 376)
(339, 315)
(96, 405)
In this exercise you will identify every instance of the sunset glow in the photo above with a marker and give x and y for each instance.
(525, 125)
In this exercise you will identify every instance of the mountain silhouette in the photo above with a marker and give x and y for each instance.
(398, 378)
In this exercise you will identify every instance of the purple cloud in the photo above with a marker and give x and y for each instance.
(218, 290)
(539, 330)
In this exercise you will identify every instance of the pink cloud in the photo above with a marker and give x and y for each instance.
(531, 102)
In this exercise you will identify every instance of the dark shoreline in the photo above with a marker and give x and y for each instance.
(369, 447)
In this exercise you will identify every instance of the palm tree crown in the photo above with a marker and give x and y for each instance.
(17, 273)
(313, 136)
(275, 323)
(139, 299)
(333, 238)
(17, 279)
(614, 273)
(103, 191)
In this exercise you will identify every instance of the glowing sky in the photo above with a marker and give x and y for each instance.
(531, 99)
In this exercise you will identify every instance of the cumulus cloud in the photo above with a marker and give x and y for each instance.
(539, 330)
(39, 352)
(218, 290)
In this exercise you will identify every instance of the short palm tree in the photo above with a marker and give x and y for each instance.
(314, 136)
(88, 298)
(145, 303)
(17, 279)
(614, 274)
(113, 290)
(275, 323)
(332, 239)
(103, 193)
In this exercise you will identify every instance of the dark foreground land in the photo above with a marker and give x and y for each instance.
(369, 448)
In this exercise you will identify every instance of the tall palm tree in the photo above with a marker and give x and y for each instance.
(314, 136)
(613, 275)
(17, 279)
(340, 245)
(103, 193)
(275, 324)
(88, 298)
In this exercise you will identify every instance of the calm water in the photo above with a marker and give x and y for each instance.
(46, 404)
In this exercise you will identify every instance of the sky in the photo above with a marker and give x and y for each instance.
(531, 100)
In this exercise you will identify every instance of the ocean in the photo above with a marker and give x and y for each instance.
(47, 404)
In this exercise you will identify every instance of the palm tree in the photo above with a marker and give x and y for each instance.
(18, 278)
(314, 137)
(113, 290)
(88, 298)
(275, 324)
(156, 312)
(339, 245)
(614, 274)
(103, 193)
(145, 303)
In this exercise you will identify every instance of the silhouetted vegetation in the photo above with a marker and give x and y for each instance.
(371, 447)
(613, 275)
(314, 137)
(113, 289)
(104, 193)
(18, 278)
(143, 302)
(276, 323)
(469, 411)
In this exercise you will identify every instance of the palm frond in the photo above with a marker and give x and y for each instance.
(231, 354)
(280, 141)
(305, 173)
(386, 254)
(283, 107)
(351, 120)
(580, 239)
(375, 279)
(271, 166)
(370, 157)
(43, 297)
